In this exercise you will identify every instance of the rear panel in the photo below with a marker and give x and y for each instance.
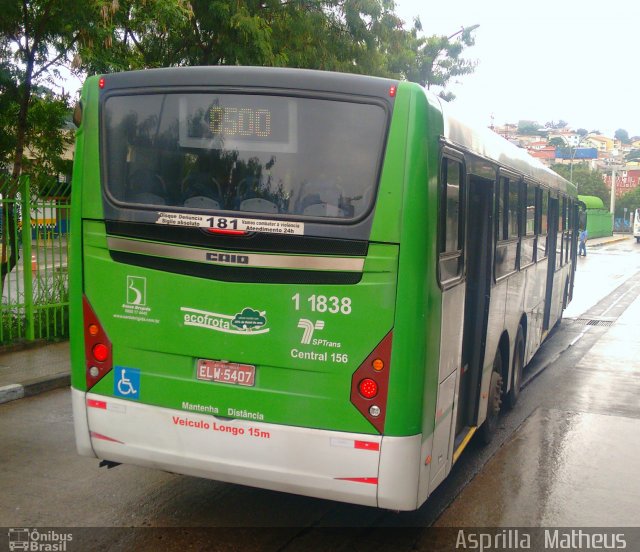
(242, 308)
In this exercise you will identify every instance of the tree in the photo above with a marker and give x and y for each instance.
(557, 142)
(633, 155)
(358, 36)
(622, 135)
(630, 200)
(582, 132)
(355, 36)
(438, 59)
(556, 126)
(36, 37)
(529, 128)
(587, 181)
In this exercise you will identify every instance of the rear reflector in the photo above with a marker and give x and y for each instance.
(370, 480)
(97, 404)
(104, 438)
(227, 232)
(367, 445)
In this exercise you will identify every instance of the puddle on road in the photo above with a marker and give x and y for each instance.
(558, 469)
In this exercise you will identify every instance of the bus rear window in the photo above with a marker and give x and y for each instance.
(239, 152)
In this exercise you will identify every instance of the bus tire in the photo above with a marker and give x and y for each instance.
(637, 239)
(488, 428)
(516, 371)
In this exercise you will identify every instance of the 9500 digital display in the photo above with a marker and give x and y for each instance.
(243, 122)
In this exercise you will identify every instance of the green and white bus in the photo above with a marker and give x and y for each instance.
(304, 281)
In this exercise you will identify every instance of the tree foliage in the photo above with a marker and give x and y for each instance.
(529, 128)
(355, 36)
(553, 125)
(587, 181)
(36, 39)
(39, 38)
(630, 200)
(438, 59)
(622, 135)
(633, 155)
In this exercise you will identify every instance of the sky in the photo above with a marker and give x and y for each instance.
(548, 60)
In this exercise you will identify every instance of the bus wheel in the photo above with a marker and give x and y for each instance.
(488, 428)
(516, 371)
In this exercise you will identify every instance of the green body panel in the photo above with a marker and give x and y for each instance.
(413, 384)
(85, 159)
(157, 340)
(296, 384)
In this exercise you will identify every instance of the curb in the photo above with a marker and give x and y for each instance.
(33, 387)
(608, 242)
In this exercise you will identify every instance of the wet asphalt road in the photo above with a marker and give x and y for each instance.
(564, 456)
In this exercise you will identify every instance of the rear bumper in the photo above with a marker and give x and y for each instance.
(334, 465)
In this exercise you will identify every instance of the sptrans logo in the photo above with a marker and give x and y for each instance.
(38, 541)
(309, 327)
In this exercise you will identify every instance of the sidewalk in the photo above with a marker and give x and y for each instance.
(34, 370)
(598, 242)
(38, 369)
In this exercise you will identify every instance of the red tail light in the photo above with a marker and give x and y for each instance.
(370, 383)
(97, 347)
(368, 388)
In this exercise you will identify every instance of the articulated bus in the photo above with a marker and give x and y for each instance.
(311, 282)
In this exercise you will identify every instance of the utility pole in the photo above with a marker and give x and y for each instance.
(612, 207)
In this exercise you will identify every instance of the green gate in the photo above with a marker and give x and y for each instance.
(33, 261)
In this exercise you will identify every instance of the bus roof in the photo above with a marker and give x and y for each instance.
(260, 77)
(489, 145)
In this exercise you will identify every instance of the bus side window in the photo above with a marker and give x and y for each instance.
(528, 215)
(451, 230)
(514, 207)
(501, 226)
(562, 225)
(543, 225)
(530, 210)
(507, 227)
(567, 230)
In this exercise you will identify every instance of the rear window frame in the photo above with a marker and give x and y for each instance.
(126, 207)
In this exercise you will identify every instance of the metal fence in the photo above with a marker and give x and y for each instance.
(33, 260)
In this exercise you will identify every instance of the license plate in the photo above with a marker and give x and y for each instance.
(226, 372)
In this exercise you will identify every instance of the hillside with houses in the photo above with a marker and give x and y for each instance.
(561, 145)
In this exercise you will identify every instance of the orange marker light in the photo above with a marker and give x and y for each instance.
(377, 364)
(93, 330)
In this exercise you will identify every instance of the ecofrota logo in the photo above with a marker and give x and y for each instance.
(38, 541)
(309, 327)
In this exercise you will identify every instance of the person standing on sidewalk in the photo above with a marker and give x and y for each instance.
(582, 238)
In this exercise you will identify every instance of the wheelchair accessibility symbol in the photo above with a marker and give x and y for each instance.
(126, 383)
